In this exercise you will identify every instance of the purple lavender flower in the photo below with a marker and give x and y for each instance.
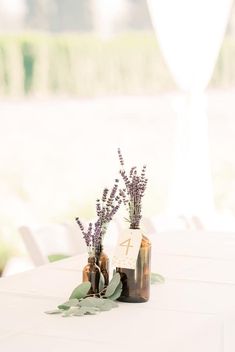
(133, 193)
(87, 235)
(106, 208)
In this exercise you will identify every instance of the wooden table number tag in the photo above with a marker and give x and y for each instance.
(127, 249)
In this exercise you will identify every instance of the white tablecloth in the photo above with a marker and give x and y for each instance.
(193, 311)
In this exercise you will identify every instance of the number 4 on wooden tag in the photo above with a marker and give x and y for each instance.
(127, 249)
(127, 244)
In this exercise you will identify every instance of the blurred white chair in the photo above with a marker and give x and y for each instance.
(17, 265)
(54, 240)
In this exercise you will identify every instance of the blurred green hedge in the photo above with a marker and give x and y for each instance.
(84, 65)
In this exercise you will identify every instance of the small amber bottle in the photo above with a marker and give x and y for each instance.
(91, 272)
(102, 260)
(136, 282)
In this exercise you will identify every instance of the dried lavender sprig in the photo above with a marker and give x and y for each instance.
(80, 224)
(112, 194)
(105, 211)
(98, 207)
(134, 191)
(110, 207)
(86, 235)
(104, 196)
(122, 193)
(120, 157)
(97, 234)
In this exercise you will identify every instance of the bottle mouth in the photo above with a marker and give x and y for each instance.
(91, 260)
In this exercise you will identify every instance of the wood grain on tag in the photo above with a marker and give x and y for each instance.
(127, 249)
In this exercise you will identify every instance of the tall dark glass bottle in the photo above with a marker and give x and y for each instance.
(91, 272)
(102, 260)
(136, 282)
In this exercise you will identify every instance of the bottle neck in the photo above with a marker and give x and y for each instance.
(92, 261)
(99, 249)
(134, 227)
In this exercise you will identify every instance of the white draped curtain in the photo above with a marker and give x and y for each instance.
(190, 33)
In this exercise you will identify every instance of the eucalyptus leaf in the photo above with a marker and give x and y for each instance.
(54, 311)
(117, 292)
(91, 310)
(63, 307)
(69, 312)
(112, 285)
(85, 310)
(157, 279)
(108, 304)
(79, 312)
(71, 303)
(105, 307)
(112, 303)
(101, 282)
(81, 290)
(91, 302)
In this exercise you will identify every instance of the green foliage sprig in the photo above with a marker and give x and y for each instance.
(81, 303)
(157, 279)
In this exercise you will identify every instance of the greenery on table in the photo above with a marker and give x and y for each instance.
(81, 303)
(157, 279)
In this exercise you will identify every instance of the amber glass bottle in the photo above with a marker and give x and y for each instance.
(136, 282)
(91, 272)
(102, 260)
